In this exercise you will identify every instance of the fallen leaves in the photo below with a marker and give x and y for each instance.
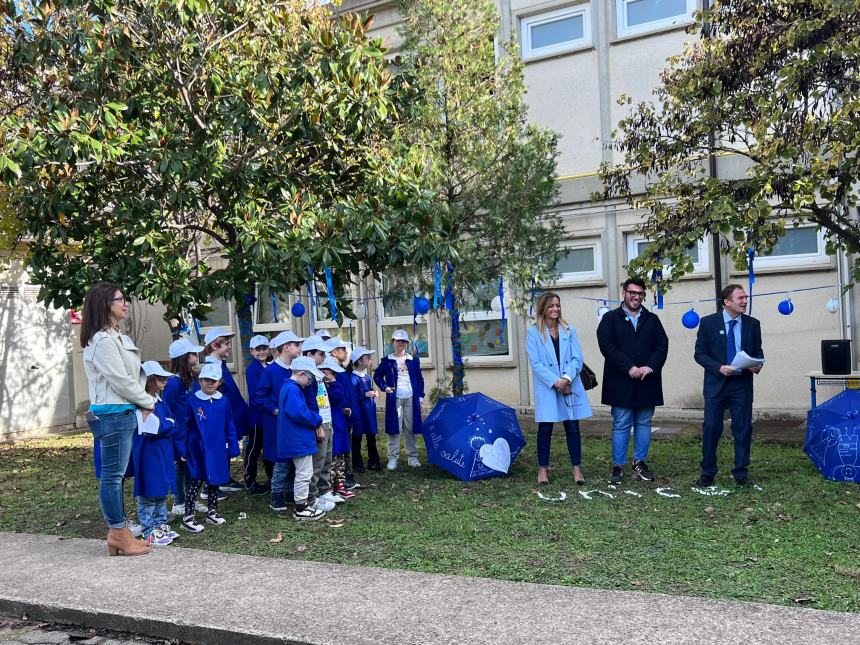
(802, 600)
(278, 538)
(301, 548)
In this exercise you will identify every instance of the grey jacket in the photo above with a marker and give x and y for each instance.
(112, 366)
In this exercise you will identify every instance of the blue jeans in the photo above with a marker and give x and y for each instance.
(574, 446)
(115, 433)
(283, 477)
(151, 512)
(622, 420)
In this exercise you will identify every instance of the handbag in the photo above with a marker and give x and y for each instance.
(588, 377)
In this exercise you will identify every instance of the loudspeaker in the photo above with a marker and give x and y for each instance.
(836, 356)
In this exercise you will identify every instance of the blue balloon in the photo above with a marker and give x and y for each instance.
(786, 307)
(298, 310)
(690, 320)
(421, 305)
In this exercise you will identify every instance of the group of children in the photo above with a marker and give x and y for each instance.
(311, 404)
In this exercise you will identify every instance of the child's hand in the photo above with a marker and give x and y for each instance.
(320, 434)
(347, 412)
(371, 395)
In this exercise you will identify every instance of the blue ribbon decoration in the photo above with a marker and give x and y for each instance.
(332, 301)
(437, 284)
(751, 256)
(532, 305)
(449, 288)
(183, 329)
(502, 300)
(657, 278)
(274, 307)
(197, 329)
(350, 334)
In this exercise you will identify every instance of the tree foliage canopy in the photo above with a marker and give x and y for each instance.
(189, 149)
(772, 81)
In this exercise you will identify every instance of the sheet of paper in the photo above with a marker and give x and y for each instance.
(150, 426)
(743, 361)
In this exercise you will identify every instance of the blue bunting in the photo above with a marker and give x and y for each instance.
(331, 299)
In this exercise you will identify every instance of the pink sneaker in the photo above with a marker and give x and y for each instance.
(341, 490)
(158, 538)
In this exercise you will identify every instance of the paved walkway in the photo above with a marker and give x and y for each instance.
(207, 597)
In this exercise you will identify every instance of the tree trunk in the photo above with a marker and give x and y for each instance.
(459, 369)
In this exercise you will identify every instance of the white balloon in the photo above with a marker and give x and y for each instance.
(496, 304)
(361, 311)
(833, 305)
(602, 311)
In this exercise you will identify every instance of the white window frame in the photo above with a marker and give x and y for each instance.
(700, 267)
(578, 277)
(796, 260)
(270, 327)
(526, 24)
(622, 28)
(404, 322)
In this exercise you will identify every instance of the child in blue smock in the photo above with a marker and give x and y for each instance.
(183, 360)
(364, 416)
(286, 347)
(339, 352)
(299, 431)
(211, 442)
(259, 346)
(153, 458)
(399, 376)
(340, 435)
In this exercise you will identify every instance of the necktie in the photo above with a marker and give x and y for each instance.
(731, 350)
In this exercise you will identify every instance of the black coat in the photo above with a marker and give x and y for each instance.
(623, 348)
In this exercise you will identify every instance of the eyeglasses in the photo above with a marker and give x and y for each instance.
(636, 294)
(125, 299)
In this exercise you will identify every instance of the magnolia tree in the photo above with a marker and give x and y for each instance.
(192, 149)
(491, 174)
(776, 83)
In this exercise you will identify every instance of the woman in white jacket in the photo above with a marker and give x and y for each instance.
(116, 385)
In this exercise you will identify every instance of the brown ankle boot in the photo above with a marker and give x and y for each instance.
(122, 542)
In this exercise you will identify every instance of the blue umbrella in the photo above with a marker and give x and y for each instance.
(833, 437)
(472, 436)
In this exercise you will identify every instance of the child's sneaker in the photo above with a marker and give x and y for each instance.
(351, 484)
(190, 525)
(222, 495)
(324, 505)
(331, 497)
(308, 513)
(165, 528)
(212, 517)
(341, 491)
(392, 464)
(136, 529)
(178, 510)
(158, 538)
(413, 461)
(200, 508)
(278, 502)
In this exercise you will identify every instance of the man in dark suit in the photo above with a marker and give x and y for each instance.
(721, 336)
(634, 344)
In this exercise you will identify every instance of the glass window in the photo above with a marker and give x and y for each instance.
(579, 262)
(797, 241)
(640, 16)
(798, 247)
(219, 316)
(269, 311)
(576, 261)
(397, 297)
(556, 31)
(418, 337)
(643, 244)
(636, 245)
(484, 337)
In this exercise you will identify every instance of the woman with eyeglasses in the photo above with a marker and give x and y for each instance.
(556, 361)
(117, 389)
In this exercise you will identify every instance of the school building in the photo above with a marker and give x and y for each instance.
(579, 57)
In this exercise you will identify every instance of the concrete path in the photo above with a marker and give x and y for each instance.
(206, 597)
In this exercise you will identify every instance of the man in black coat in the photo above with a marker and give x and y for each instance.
(720, 337)
(634, 344)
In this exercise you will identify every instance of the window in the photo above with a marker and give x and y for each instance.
(269, 314)
(482, 334)
(322, 315)
(636, 245)
(580, 262)
(395, 311)
(557, 31)
(641, 16)
(801, 246)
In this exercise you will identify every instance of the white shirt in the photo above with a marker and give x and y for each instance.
(323, 402)
(404, 385)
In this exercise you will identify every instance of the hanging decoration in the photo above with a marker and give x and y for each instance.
(751, 255)
(690, 320)
(532, 305)
(449, 288)
(360, 310)
(437, 284)
(833, 305)
(420, 306)
(785, 307)
(657, 278)
(602, 310)
(311, 298)
(298, 310)
(274, 307)
(351, 344)
(332, 301)
(197, 329)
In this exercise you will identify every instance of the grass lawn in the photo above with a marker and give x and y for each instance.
(795, 541)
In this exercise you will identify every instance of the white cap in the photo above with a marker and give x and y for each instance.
(322, 333)
(211, 370)
(183, 346)
(313, 342)
(258, 341)
(330, 363)
(305, 364)
(358, 352)
(217, 332)
(400, 334)
(154, 368)
(335, 343)
(283, 338)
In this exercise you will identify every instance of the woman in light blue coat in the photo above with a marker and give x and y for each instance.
(556, 361)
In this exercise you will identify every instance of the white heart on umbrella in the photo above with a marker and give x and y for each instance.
(496, 455)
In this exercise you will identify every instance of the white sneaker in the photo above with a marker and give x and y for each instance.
(178, 510)
(214, 518)
(413, 461)
(392, 464)
(136, 529)
(201, 508)
(324, 505)
(332, 497)
(191, 525)
(309, 513)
